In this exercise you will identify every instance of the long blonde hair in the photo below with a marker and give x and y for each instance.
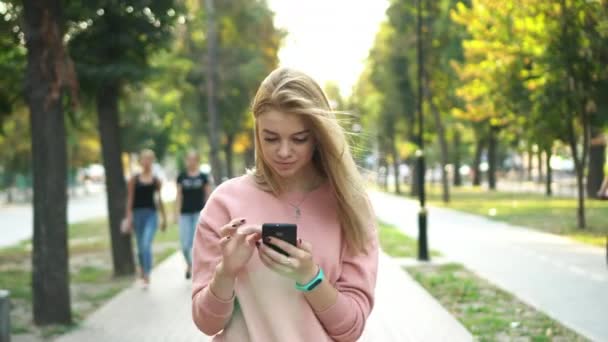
(294, 92)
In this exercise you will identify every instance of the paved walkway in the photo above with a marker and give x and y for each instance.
(404, 311)
(560, 187)
(565, 279)
(16, 220)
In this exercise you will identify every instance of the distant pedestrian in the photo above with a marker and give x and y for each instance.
(143, 202)
(192, 191)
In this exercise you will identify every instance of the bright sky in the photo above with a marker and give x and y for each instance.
(328, 39)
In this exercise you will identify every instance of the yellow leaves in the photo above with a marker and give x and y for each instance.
(242, 142)
(90, 144)
(198, 37)
(406, 149)
(168, 119)
(171, 96)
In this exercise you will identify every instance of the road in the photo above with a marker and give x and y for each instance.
(16, 220)
(565, 279)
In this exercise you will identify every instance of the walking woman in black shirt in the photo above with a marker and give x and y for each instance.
(141, 211)
(192, 191)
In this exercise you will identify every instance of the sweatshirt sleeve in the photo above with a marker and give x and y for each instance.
(345, 319)
(209, 313)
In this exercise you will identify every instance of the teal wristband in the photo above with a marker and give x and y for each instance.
(313, 283)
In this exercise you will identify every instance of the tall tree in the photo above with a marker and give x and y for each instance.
(112, 43)
(243, 42)
(537, 65)
(49, 72)
(210, 90)
(15, 151)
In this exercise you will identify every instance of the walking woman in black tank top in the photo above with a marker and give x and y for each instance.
(141, 211)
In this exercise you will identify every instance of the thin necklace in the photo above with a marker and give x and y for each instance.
(296, 207)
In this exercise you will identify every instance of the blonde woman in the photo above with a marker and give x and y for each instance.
(323, 290)
(143, 201)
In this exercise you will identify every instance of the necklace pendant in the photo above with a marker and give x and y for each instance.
(298, 213)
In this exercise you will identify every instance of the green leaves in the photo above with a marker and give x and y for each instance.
(112, 41)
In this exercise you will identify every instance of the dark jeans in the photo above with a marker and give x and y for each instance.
(145, 222)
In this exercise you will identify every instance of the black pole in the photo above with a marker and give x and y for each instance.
(423, 250)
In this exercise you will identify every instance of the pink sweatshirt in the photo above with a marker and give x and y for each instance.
(267, 306)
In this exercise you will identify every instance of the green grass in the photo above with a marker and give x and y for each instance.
(91, 274)
(91, 284)
(105, 295)
(555, 215)
(489, 313)
(397, 244)
(15, 252)
(18, 282)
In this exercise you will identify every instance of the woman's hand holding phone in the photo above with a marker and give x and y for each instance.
(298, 266)
(237, 244)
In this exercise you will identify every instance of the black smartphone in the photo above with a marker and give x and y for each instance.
(285, 231)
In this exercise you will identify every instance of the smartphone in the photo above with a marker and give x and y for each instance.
(285, 231)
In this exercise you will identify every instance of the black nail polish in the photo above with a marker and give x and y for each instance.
(257, 243)
(234, 225)
(266, 239)
(299, 241)
(243, 221)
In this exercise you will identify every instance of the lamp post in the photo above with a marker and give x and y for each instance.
(423, 250)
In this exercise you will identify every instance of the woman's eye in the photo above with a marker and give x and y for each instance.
(300, 140)
(270, 140)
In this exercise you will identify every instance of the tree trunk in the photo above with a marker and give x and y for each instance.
(10, 180)
(212, 113)
(549, 178)
(580, 212)
(597, 159)
(443, 148)
(477, 160)
(109, 132)
(395, 163)
(456, 154)
(414, 177)
(579, 168)
(250, 152)
(385, 175)
(50, 271)
(228, 153)
(492, 157)
(579, 162)
(530, 162)
(539, 155)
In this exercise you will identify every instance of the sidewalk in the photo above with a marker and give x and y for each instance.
(403, 312)
(565, 279)
(16, 220)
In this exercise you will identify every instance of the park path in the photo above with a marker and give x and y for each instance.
(565, 279)
(16, 220)
(403, 312)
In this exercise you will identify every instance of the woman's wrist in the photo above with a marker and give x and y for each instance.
(308, 275)
(222, 284)
(221, 272)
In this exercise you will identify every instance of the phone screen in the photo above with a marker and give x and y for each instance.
(285, 231)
